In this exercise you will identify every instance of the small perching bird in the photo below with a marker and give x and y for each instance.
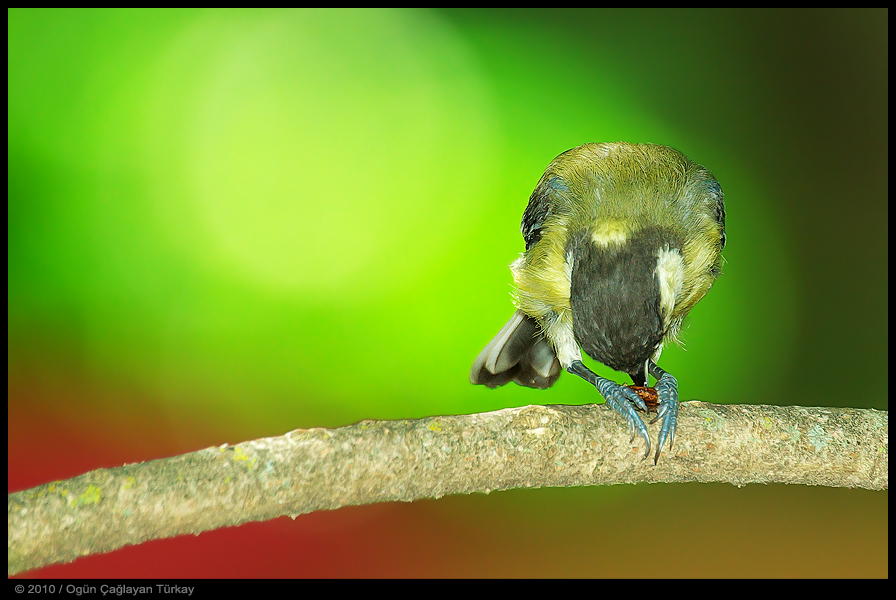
(622, 240)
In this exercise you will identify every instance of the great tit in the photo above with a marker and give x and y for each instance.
(622, 240)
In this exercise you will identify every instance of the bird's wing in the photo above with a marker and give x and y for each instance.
(715, 192)
(542, 204)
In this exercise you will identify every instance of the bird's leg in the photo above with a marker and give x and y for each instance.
(667, 391)
(619, 397)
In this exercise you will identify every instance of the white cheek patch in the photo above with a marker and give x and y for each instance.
(567, 269)
(561, 333)
(670, 277)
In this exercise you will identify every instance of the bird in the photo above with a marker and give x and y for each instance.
(621, 241)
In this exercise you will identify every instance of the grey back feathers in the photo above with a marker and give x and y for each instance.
(518, 353)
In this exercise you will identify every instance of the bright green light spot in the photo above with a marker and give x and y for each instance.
(326, 154)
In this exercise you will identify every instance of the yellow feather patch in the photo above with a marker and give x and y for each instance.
(609, 232)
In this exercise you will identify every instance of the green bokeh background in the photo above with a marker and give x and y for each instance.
(231, 224)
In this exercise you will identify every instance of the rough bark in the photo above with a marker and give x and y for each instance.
(380, 461)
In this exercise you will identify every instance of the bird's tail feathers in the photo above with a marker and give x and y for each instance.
(519, 353)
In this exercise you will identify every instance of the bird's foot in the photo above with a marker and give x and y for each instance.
(667, 391)
(624, 400)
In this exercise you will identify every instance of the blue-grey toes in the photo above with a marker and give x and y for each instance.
(633, 397)
(667, 391)
(620, 398)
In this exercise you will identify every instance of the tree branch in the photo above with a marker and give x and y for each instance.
(380, 461)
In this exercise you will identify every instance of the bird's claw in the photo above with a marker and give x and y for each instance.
(667, 392)
(620, 398)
